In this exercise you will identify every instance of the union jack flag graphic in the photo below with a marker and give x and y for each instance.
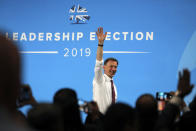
(78, 15)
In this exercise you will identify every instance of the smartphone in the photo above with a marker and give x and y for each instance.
(163, 96)
(162, 99)
(83, 105)
(24, 95)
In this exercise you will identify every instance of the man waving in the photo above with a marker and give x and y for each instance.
(104, 89)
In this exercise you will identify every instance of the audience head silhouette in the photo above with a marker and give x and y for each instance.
(9, 74)
(66, 99)
(45, 117)
(147, 113)
(119, 117)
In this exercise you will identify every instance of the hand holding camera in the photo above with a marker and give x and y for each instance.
(25, 97)
(162, 99)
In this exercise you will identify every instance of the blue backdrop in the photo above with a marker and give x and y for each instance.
(155, 39)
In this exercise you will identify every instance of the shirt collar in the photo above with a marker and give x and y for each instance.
(107, 78)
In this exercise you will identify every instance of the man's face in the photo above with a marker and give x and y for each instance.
(110, 68)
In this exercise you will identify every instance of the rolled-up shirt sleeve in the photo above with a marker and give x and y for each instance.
(98, 71)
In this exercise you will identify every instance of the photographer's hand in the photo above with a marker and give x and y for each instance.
(31, 100)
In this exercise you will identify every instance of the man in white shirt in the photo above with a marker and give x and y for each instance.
(104, 90)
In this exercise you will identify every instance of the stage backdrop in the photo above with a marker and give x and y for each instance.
(152, 39)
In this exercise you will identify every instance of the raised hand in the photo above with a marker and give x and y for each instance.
(100, 35)
(184, 86)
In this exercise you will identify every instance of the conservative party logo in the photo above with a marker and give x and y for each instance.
(78, 15)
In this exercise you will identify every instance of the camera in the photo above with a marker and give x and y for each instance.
(162, 99)
(23, 95)
(163, 96)
(84, 106)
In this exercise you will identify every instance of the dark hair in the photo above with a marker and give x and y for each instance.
(10, 75)
(110, 59)
(45, 117)
(66, 99)
(64, 93)
(146, 111)
(119, 116)
(146, 104)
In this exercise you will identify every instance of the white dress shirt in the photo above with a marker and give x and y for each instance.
(102, 91)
